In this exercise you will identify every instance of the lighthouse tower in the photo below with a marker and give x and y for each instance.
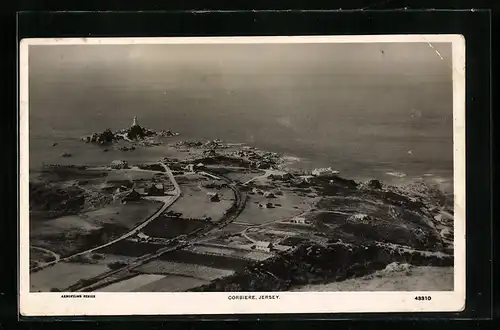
(135, 122)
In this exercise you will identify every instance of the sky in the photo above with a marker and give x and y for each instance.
(354, 102)
(209, 63)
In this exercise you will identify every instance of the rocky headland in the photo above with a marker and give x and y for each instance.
(134, 133)
(349, 228)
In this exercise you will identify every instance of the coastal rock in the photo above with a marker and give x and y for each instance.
(105, 137)
(166, 133)
(374, 184)
(133, 133)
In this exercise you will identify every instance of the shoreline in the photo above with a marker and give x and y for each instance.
(257, 175)
(442, 178)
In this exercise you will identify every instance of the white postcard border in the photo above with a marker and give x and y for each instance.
(193, 303)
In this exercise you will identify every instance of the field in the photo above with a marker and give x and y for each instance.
(130, 249)
(125, 215)
(290, 205)
(66, 173)
(166, 227)
(234, 240)
(40, 255)
(242, 176)
(140, 178)
(132, 283)
(234, 227)
(370, 219)
(416, 279)
(221, 262)
(195, 204)
(254, 215)
(258, 256)
(296, 229)
(62, 275)
(172, 283)
(183, 269)
(112, 258)
(130, 175)
(229, 248)
(74, 233)
(282, 232)
(293, 241)
(220, 250)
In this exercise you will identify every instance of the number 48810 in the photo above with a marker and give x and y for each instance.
(422, 298)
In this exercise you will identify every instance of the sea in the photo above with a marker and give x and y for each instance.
(389, 129)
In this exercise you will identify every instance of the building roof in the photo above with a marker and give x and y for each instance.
(323, 169)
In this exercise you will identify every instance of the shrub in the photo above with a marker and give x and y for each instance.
(116, 265)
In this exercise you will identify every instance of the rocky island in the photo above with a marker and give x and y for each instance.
(132, 134)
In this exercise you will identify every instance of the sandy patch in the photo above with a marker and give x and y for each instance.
(177, 268)
(194, 202)
(131, 284)
(172, 283)
(408, 279)
(63, 274)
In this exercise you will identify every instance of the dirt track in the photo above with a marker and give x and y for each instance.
(167, 202)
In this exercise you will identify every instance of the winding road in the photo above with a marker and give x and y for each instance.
(167, 202)
(107, 278)
(52, 253)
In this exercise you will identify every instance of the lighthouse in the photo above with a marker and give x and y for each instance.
(134, 123)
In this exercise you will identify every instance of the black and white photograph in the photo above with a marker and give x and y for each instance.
(253, 169)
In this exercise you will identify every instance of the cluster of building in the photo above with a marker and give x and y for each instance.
(284, 176)
(155, 189)
(324, 172)
(119, 164)
(265, 161)
(269, 246)
(194, 167)
(250, 154)
(267, 205)
(300, 220)
(267, 194)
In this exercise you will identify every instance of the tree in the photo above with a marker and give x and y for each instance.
(116, 265)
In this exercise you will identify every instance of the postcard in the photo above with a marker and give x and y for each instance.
(242, 175)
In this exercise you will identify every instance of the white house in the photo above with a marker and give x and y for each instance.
(142, 236)
(298, 219)
(324, 171)
(119, 164)
(189, 168)
(263, 246)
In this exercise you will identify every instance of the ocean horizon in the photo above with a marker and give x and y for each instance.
(394, 119)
